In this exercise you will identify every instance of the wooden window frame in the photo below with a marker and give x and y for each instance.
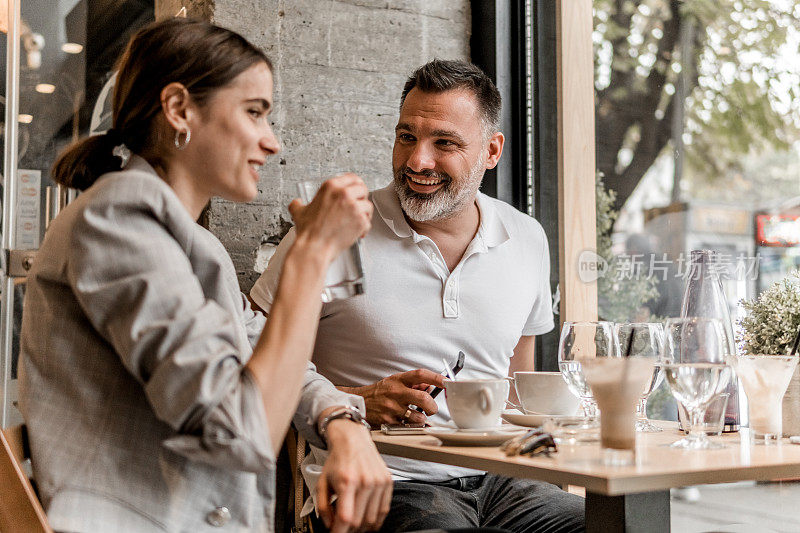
(577, 219)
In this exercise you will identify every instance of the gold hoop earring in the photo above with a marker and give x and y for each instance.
(178, 144)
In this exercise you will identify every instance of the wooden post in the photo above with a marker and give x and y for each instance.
(576, 155)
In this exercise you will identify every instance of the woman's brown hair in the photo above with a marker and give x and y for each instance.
(197, 54)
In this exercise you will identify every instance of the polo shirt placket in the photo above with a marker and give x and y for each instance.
(450, 280)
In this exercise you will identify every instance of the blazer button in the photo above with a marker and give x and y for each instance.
(218, 517)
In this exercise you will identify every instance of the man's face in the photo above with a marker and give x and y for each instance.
(440, 154)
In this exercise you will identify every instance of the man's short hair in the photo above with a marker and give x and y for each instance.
(442, 75)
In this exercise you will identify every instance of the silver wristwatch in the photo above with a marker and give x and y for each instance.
(348, 412)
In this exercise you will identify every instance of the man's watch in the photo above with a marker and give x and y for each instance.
(348, 412)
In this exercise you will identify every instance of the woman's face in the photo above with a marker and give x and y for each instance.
(232, 137)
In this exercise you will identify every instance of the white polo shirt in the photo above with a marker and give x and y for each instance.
(416, 312)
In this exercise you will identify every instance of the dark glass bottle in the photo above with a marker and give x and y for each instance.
(705, 298)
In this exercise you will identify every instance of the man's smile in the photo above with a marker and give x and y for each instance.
(423, 184)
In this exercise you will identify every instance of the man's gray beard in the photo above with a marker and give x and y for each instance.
(442, 204)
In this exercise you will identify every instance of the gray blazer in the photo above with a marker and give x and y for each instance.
(134, 337)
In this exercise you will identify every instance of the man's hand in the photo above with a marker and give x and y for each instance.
(387, 400)
(356, 474)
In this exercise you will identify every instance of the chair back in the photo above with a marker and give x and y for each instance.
(20, 510)
(296, 448)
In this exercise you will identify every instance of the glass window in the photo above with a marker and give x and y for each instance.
(68, 49)
(697, 117)
(698, 146)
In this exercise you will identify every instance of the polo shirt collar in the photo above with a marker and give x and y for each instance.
(387, 204)
(491, 232)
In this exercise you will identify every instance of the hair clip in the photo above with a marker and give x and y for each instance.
(123, 152)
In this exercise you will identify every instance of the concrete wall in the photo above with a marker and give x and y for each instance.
(340, 68)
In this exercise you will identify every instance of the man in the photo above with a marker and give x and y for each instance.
(447, 269)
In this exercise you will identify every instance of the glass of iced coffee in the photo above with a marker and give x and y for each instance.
(617, 385)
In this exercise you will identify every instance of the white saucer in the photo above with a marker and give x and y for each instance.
(473, 437)
(531, 420)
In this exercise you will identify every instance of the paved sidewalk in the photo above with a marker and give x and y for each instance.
(746, 507)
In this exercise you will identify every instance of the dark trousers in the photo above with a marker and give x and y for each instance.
(490, 501)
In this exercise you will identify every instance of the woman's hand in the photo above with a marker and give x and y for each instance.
(339, 214)
(356, 474)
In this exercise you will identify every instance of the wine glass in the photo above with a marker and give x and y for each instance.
(580, 341)
(696, 372)
(643, 339)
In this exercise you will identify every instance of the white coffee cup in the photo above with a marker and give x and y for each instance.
(545, 392)
(476, 403)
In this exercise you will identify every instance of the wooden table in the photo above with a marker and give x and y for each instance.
(634, 498)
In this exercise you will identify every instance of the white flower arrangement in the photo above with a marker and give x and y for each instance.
(772, 319)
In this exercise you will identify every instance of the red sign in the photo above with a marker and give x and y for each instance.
(778, 230)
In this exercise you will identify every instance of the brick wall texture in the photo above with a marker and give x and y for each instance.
(340, 67)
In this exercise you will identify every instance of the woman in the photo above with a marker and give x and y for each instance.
(152, 397)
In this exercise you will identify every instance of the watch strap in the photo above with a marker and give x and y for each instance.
(348, 412)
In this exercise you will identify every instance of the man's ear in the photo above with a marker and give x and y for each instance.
(494, 149)
(175, 104)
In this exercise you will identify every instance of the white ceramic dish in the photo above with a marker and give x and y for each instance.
(473, 437)
(531, 420)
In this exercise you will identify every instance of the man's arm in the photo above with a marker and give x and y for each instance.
(523, 361)
(387, 401)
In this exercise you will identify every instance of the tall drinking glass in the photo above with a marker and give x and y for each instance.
(765, 379)
(345, 276)
(616, 384)
(696, 371)
(581, 341)
(645, 340)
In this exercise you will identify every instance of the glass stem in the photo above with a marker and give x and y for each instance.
(589, 408)
(696, 417)
(641, 409)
